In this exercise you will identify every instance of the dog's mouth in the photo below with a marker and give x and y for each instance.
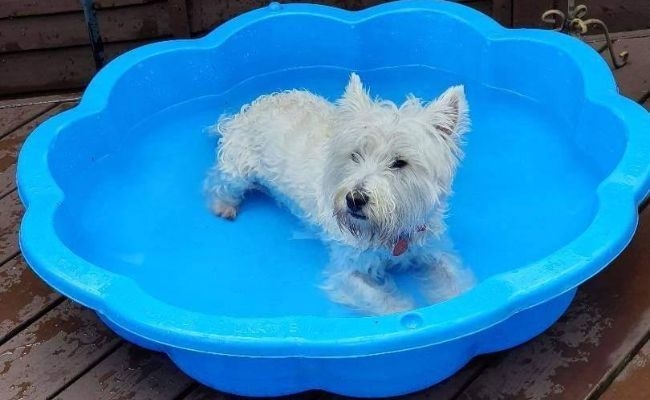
(357, 215)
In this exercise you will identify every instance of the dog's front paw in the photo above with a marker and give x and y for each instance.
(225, 211)
(366, 295)
(445, 278)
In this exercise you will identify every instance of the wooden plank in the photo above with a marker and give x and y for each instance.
(130, 373)
(21, 8)
(528, 13)
(10, 146)
(633, 78)
(502, 11)
(23, 297)
(617, 35)
(205, 393)
(58, 69)
(633, 383)
(179, 20)
(451, 387)
(620, 15)
(485, 7)
(53, 351)
(38, 99)
(206, 14)
(146, 21)
(578, 354)
(11, 212)
(13, 117)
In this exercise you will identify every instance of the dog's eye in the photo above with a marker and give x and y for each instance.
(355, 157)
(397, 164)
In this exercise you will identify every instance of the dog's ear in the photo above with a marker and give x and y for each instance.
(355, 97)
(449, 113)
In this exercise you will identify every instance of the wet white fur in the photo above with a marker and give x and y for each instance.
(311, 152)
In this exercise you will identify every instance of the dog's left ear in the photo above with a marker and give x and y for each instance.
(449, 113)
(356, 97)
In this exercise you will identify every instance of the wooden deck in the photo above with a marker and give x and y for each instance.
(51, 348)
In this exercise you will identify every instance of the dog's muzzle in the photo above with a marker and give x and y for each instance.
(356, 200)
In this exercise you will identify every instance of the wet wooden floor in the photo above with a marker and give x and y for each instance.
(51, 348)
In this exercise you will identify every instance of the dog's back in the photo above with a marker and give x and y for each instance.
(278, 141)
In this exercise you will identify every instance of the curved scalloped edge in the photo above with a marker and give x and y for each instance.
(120, 301)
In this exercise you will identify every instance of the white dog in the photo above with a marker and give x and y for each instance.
(373, 176)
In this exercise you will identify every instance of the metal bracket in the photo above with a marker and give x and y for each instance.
(575, 24)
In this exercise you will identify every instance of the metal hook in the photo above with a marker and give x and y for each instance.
(574, 24)
(619, 60)
(556, 18)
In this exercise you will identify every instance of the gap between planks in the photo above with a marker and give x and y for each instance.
(601, 387)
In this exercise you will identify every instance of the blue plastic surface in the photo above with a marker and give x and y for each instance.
(556, 165)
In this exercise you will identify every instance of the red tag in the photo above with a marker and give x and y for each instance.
(400, 247)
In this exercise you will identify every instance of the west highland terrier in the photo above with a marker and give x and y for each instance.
(374, 177)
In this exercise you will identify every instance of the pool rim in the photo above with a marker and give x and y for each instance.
(122, 302)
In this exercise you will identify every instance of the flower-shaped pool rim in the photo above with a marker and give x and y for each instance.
(119, 300)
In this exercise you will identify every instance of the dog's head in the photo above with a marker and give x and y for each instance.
(389, 168)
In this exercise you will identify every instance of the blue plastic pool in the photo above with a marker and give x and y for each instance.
(556, 165)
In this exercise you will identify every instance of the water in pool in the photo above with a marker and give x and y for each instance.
(139, 208)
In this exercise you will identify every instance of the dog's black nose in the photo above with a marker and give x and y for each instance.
(356, 200)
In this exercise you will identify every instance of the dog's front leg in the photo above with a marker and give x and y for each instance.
(224, 192)
(441, 272)
(358, 279)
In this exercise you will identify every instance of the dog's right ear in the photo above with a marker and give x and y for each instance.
(355, 98)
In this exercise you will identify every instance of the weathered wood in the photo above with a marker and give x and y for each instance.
(599, 37)
(10, 213)
(633, 78)
(179, 20)
(608, 319)
(486, 7)
(620, 15)
(633, 383)
(21, 8)
(11, 144)
(528, 13)
(502, 11)
(65, 68)
(58, 69)
(38, 100)
(47, 355)
(130, 373)
(147, 21)
(23, 296)
(206, 14)
(451, 387)
(12, 118)
(205, 393)
(141, 22)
